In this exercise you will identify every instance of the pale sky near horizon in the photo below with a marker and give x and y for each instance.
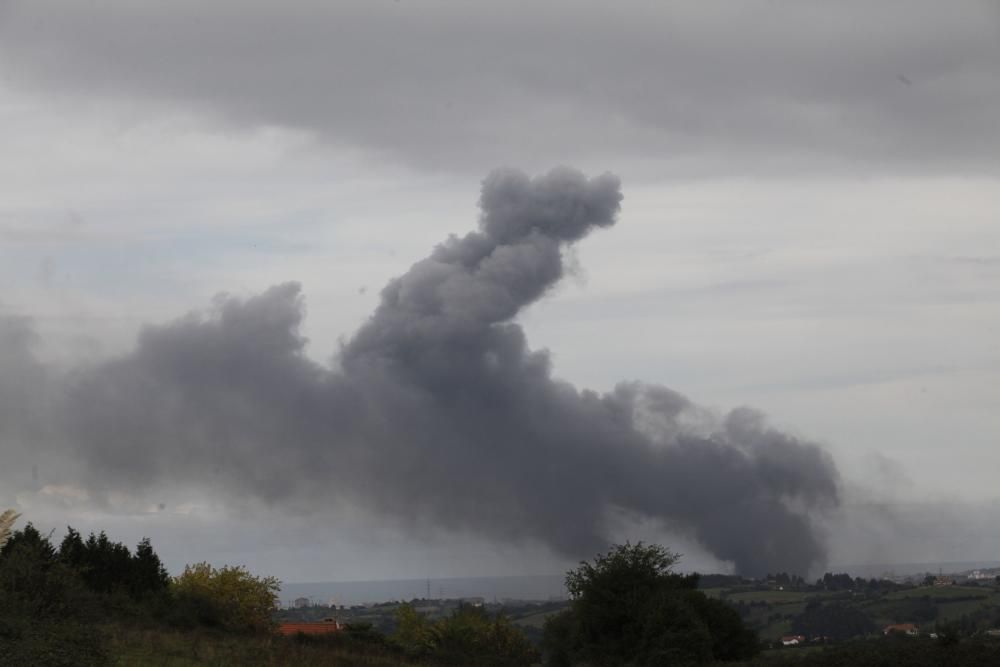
(809, 225)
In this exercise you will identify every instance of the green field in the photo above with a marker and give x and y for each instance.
(954, 610)
(771, 597)
(774, 613)
(941, 592)
(167, 648)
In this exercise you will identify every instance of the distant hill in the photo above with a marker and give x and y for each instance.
(904, 569)
(534, 587)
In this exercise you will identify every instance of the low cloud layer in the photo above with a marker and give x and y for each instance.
(436, 410)
(754, 87)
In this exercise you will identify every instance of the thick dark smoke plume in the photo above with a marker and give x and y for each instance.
(438, 410)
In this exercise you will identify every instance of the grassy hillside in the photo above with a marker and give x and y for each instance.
(172, 648)
(870, 606)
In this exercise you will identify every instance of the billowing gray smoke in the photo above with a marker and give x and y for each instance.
(438, 409)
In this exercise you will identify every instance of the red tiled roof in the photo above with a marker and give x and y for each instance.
(900, 627)
(320, 628)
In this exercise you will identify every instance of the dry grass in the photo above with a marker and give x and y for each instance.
(176, 648)
(7, 520)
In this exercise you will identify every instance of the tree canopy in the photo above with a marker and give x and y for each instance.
(53, 600)
(229, 596)
(629, 607)
(469, 636)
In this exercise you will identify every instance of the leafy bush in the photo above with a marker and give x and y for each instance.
(44, 607)
(414, 635)
(469, 636)
(229, 597)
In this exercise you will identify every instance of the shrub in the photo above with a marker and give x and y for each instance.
(44, 607)
(230, 597)
(469, 636)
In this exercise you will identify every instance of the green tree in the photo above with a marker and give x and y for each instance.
(109, 567)
(229, 596)
(44, 607)
(29, 537)
(414, 634)
(630, 608)
(72, 550)
(106, 564)
(146, 576)
(469, 636)
(731, 639)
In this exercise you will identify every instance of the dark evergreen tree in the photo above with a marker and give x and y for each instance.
(107, 564)
(147, 575)
(72, 550)
(29, 538)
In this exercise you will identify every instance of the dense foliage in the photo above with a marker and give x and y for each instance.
(55, 600)
(88, 601)
(630, 608)
(470, 636)
(230, 597)
(832, 622)
(892, 651)
(94, 601)
(45, 606)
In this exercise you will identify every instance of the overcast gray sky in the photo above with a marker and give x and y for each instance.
(809, 225)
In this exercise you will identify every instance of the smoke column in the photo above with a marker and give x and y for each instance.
(438, 409)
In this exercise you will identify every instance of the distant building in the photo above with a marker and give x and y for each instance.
(792, 640)
(908, 629)
(944, 581)
(301, 602)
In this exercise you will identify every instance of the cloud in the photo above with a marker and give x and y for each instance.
(887, 532)
(23, 390)
(757, 87)
(438, 411)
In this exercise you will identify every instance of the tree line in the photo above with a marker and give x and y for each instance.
(55, 598)
(629, 607)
